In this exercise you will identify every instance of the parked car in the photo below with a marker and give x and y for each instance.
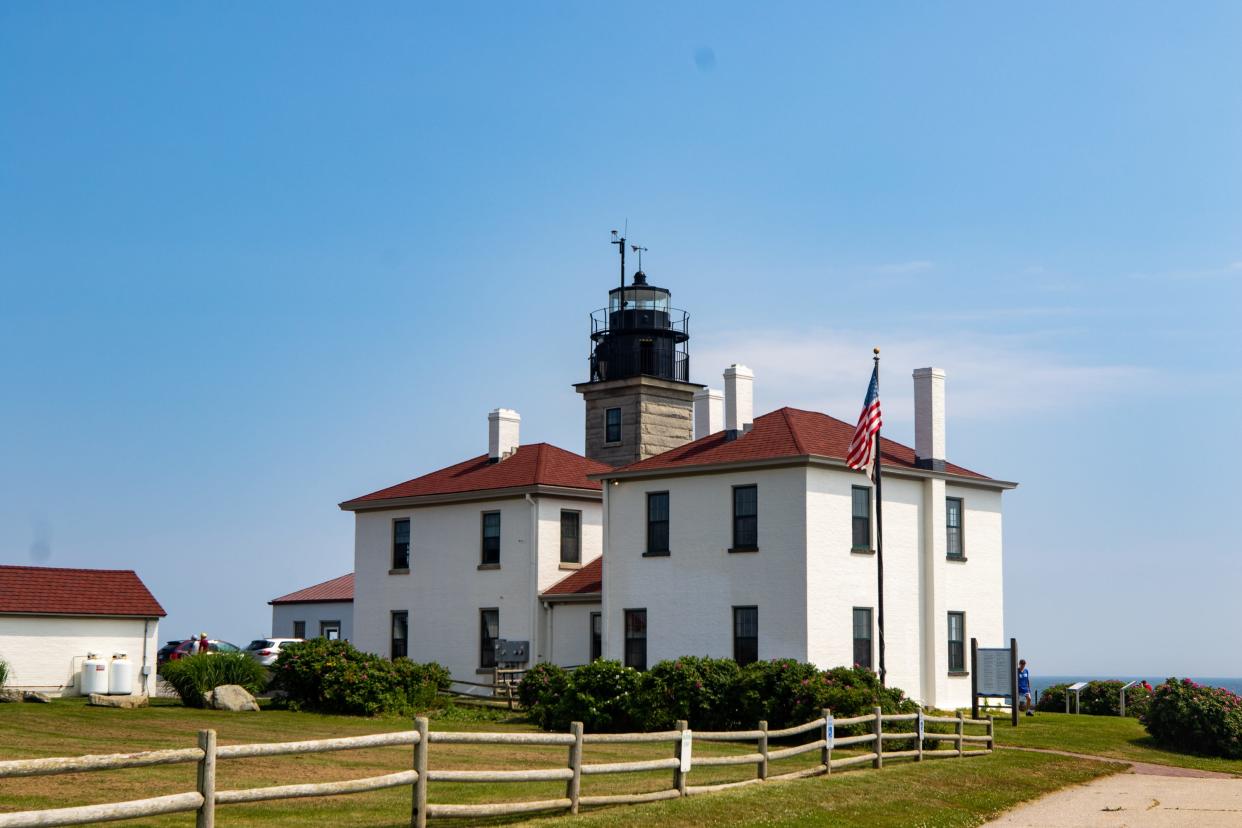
(265, 650)
(214, 645)
(162, 656)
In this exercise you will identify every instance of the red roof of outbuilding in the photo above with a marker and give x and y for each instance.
(786, 432)
(585, 581)
(45, 590)
(538, 464)
(338, 589)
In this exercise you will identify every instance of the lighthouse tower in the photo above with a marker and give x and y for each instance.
(639, 398)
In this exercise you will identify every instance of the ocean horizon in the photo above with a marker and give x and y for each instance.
(1039, 682)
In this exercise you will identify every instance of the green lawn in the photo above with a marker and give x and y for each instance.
(1110, 736)
(945, 792)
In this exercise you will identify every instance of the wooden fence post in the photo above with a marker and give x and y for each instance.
(825, 755)
(960, 729)
(419, 817)
(991, 733)
(763, 750)
(573, 788)
(679, 778)
(879, 738)
(206, 816)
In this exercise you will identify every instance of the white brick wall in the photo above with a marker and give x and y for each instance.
(805, 579)
(46, 652)
(445, 590)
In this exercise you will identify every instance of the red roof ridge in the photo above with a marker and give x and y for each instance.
(531, 464)
(793, 432)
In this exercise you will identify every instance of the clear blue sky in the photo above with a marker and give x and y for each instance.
(258, 259)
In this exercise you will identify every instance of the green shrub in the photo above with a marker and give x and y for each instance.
(540, 689)
(601, 695)
(4, 673)
(1191, 717)
(702, 691)
(336, 677)
(192, 676)
(708, 693)
(1098, 698)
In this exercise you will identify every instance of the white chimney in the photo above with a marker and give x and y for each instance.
(502, 433)
(929, 451)
(708, 412)
(739, 398)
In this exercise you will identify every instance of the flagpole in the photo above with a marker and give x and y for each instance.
(879, 531)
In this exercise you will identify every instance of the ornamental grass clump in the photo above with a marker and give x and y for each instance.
(1195, 718)
(336, 677)
(194, 675)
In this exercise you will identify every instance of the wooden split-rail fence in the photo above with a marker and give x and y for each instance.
(208, 754)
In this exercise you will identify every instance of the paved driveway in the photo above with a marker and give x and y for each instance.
(1145, 796)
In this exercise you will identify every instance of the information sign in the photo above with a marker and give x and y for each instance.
(685, 751)
(993, 665)
(830, 732)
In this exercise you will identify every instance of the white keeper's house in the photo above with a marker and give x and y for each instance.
(688, 527)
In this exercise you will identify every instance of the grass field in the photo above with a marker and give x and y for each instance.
(1110, 736)
(935, 793)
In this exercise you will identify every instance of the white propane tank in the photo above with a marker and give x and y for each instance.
(94, 675)
(120, 675)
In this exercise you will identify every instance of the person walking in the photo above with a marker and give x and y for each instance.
(201, 646)
(1024, 687)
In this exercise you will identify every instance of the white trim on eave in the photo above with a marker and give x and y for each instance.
(800, 460)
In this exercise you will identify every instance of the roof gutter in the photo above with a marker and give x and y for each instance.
(800, 460)
(571, 598)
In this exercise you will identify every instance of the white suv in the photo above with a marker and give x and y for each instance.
(265, 650)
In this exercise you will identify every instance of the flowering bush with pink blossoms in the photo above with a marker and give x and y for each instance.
(1195, 718)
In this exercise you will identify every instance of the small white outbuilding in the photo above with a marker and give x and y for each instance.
(52, 618)
(325, 610)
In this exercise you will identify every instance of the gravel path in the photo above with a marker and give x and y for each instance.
(1144, 796)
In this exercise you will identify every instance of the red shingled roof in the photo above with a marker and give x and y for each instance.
(45, 590)
(585, 581)
(786, 432)
(338, 589)
(538, 464)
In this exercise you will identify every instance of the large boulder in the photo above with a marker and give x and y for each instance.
(123, 702)
(33, 696)
(10, 696)
(231, 697)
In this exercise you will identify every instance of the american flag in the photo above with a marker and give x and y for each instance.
(869, 422)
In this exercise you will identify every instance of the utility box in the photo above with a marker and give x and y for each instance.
(512, 652)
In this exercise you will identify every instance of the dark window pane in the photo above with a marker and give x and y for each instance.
(571, 530)
(862, 637)
(953, 527)
(636, 639)
(489, 631)
(861, 510)
(745, 635)
(612, 425)
(657, 522)
(299, 629)
(491, 538)
(745, 517)
(401, 544)
(597, 636)
(400, 634)
(957, 642)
